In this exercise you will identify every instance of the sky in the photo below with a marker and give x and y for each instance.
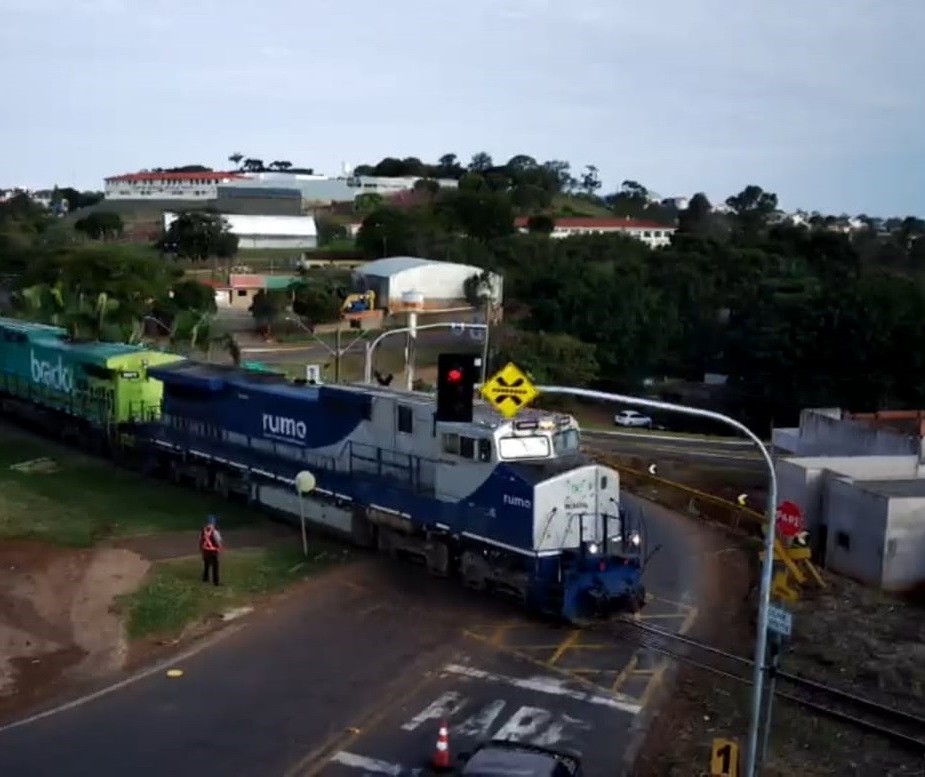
(821, 102)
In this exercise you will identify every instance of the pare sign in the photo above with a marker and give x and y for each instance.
(789, 519)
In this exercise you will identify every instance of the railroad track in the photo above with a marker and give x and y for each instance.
(901, 727)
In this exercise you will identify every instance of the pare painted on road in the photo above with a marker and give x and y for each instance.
(499, 719)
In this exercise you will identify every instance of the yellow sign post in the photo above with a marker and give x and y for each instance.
(509, 390)
(724, 758)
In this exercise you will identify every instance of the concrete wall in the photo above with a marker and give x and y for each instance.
(857, 523)
(904, 545)
(822, 433)
(802, 479)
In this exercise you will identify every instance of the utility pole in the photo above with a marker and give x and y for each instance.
(486, 332)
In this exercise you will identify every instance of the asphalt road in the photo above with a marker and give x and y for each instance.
(430, 339)
(713, 452)
(350, 675)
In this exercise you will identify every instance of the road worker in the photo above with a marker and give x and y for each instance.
(210, 543)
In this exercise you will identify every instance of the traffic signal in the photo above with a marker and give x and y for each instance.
(456, 380)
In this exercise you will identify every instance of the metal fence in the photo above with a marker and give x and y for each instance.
(685, 499)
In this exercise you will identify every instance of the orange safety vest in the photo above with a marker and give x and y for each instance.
(205, 539)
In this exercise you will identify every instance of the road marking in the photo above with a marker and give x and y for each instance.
(163, 666)
(564, 647)
(372, 765)
(548, 685)
(445, 706)
(540, 726)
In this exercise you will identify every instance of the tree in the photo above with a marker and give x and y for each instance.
(100, 225)
(753, 207)
(197, 236)
(550, 358)
(695, 218)
(540, 224)
(480, 214)
(387, 231)
(480, 162)
(590, 181)
(316, 302)
(280, 165)
(267, 308)
(236, 158)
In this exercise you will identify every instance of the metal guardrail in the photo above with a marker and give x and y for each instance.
(684, 499)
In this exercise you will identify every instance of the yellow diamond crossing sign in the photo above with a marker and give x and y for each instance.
(509, 390)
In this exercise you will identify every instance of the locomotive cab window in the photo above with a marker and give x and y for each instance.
(467, 447)
(405, 419)
(484, 450)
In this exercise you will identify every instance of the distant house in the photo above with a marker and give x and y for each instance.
(650, 233)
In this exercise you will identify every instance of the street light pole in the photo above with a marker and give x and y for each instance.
(371, 346)
(337, 351)
(767, 570)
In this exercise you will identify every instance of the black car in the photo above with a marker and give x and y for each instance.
(506, 758)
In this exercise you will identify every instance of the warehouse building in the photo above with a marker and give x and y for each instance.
(263, 200)
(296, 232)
(442, 284)
(860, 481)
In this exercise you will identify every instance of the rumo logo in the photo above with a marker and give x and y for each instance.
(517, 501)
(51, 375)
(284, 427)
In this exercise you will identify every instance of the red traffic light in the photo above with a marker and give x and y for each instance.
(454, 376)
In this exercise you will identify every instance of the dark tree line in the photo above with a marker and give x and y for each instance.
(793, 315)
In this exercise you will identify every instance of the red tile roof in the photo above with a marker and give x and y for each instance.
(581, 222)
(139, 177)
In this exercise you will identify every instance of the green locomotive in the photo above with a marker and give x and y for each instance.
(96, 384)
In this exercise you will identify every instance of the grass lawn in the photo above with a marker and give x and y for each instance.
(82, 500)
(174, 594)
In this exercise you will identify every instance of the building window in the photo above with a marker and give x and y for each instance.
(405, 419)
(843, 540)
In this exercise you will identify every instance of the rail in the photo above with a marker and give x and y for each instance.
(901, 727)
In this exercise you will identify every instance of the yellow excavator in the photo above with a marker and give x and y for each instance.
(360, 302)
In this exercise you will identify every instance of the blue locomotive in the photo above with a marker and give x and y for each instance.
(512, 506)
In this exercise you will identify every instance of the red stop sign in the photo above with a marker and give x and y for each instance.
(789, 519)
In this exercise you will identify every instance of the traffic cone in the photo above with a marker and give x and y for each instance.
(441, 759)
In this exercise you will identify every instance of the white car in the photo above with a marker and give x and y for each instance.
(632, 418)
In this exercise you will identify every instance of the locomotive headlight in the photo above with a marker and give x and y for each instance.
(592, 548)
(635, 538)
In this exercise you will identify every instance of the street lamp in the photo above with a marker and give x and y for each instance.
(371, 347)
(767, 570)
(336, 351)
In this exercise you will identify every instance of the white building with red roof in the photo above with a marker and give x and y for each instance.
(649, 232)
(169, 185)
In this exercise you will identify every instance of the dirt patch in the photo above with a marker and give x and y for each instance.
(168, 545)
(56, 622)
(849, 637)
